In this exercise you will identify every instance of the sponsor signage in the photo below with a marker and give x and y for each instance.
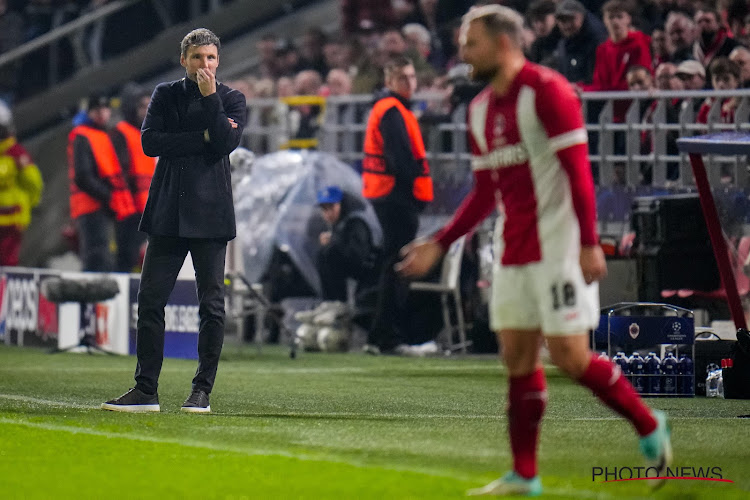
(27, 318)
(644, 331)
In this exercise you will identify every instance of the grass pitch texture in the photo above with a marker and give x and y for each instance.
(339, 426)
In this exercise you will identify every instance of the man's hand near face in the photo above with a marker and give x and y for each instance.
(206, 82)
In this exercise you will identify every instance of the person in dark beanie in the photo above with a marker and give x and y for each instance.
(192, 125)
(541, 16)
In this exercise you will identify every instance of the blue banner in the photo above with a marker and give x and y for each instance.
(180, 318)
(645, 331)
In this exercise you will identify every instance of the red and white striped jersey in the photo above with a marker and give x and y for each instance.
(529, 153)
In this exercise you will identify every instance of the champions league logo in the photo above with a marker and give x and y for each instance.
(634, 330)
(676, 327)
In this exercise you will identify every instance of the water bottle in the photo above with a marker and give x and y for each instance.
(622, 361)
(637, 368)
(685, 370)
(712, 380)
(653, 373)
(604, 356)
(669, 369)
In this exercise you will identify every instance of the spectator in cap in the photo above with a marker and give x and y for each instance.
(351, 248)
(20, 190)
(693, 75)
(581, 32)
(541, 16)
(99, 193)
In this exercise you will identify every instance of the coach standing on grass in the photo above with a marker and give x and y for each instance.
(192, 125)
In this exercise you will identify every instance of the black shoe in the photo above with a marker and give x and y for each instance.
(197, 402)
(133, 401)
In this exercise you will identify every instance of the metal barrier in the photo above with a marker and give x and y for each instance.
(616, 148)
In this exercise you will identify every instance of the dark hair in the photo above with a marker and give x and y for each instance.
(708, 8)
(724, 66)
(539, 9)
(198, 38)
(615, 6)
(637, 67)
(396, 63)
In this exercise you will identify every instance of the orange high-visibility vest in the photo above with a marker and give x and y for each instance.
(108, 167)
(141, 166)
(378, 178)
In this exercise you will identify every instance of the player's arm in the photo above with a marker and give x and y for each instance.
(419, 257)
(559, 111)
(156, 141)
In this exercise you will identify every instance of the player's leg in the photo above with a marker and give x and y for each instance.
(572, 355)
(513, 315)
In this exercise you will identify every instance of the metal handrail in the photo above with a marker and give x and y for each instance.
(64, 30)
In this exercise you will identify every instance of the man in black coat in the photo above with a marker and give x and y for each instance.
(191, 125)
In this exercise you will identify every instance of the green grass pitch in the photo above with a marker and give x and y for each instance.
(340, 426)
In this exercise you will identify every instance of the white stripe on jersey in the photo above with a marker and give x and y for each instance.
(567, 139)
(478, 119)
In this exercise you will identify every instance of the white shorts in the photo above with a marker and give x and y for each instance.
(550, 296)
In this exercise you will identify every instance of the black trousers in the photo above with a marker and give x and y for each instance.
(334, 273)
(129, 241)
(94, 235)
(399, 224)
(164, 258)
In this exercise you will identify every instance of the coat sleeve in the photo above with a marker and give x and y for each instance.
(223, 139)
(156, 141)
(353, 245)
(86, 176)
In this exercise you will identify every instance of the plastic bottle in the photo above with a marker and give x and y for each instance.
(637, 369)
(669, 369)
(685, 371)
(653, 373)
(712, 380)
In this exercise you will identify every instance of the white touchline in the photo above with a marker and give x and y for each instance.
(575, 493)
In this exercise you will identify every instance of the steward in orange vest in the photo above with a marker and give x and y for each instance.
(138, 169)
(98, 190)
(395, 167)
(396, 180)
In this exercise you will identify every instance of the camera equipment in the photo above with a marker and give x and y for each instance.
(86, 292)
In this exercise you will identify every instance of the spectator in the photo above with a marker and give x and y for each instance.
(338, 53)
(339, 83)
(693, 75)
(541, 17)
(99, 194)
(419, 41)
(284, 87)
(625, 47)
(659, 47)
(639, 79)
(725, 75)
(713, 39)
(741, 56)
(288, 59)
(369, 14)
(350, 249)
(581, 34)
(307, 117)
(138, 169)
(244, 85)
(11, 36)
(20, 190)
(266, 49)
(667, 79)
(681, 35)
(311, 50)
